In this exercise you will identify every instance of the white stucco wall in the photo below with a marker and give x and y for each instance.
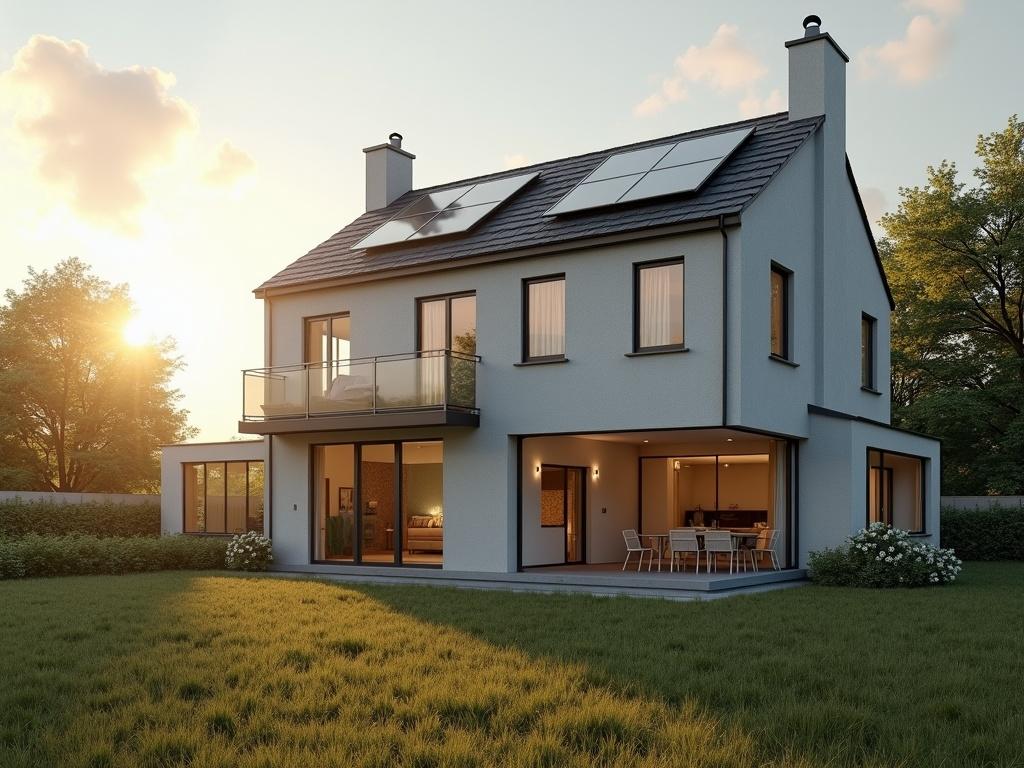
(172, 478)
(833, 479)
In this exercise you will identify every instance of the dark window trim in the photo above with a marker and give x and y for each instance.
(584, 474)
(872, 353)
(924, 462)
(527, 358)
(357, 543)
(787, 280)
(305, 331)
(638, 267)
(184, 497)
(447, 299)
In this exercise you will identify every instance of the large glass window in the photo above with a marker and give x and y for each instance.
(562, 506)
(658, 298)
(895, 489)
(379, 503)
(224, 497)
(867, 352)
(780, 312)
(448, 322)
(544, 334)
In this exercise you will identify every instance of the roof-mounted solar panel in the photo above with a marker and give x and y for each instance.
(642, 174)
(447, 212)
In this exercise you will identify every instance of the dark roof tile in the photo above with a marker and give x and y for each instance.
(521, 223)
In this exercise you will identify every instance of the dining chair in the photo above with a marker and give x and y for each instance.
(766, 546)
(718, 543)
(633, 545)
(683, 541)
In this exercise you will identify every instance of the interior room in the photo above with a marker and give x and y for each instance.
(379, 503)
(650, 482)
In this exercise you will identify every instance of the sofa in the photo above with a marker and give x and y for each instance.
(424, 533)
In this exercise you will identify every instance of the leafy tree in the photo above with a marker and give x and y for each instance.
(955, 259)
(81, 410)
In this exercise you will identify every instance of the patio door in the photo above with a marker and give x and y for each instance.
(563, 505)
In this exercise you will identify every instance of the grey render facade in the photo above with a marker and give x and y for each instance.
(627, 423)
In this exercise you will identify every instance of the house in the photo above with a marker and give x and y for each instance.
(505, 372)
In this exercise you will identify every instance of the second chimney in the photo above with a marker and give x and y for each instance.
(817, 80)
(388, 172)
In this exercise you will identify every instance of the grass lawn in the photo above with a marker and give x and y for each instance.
(215, 670)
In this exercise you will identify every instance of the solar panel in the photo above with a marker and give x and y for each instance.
(641, 174)
(447, 212)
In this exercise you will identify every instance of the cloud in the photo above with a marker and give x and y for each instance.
(922, 50)
(516, 160)
(229, 167)
(753, 105)
(724, 65)
(100, 131)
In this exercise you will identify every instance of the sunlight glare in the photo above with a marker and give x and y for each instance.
(136, 333)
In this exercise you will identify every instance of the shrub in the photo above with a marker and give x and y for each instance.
(48, 518)
(880, 556)
(996, 533)
(248, 552)
(35, 555)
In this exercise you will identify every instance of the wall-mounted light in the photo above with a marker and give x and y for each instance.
(676, 465)
(537, 469)
(597, 473)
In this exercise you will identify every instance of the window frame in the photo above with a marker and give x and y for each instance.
(330, 317)
(870, 354)
(447, 299)
(527, 358)
(638, 267)
(187, 465)
(787, 281)
(924, 461)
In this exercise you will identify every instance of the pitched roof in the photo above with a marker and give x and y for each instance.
(520, 222)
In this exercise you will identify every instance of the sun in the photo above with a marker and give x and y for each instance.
(136, 333)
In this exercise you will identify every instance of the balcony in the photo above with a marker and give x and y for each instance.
(413, 389)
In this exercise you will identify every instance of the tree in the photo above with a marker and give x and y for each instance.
(955, 259)
(80, 409)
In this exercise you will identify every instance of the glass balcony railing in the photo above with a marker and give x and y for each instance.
(433, 380)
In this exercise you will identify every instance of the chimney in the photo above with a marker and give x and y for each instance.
(388, 172)
(817, 81)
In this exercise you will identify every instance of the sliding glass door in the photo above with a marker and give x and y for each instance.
(378, 503)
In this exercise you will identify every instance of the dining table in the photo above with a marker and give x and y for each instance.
(658, 540)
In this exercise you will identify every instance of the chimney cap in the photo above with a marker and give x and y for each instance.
(813, 33)
(393, 143)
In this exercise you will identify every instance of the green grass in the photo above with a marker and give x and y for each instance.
(213, 670)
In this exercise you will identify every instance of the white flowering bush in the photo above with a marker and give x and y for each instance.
(881, 556)
(248, 552)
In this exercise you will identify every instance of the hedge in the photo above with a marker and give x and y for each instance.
(47, 518)
(996, 533)
(35, 555)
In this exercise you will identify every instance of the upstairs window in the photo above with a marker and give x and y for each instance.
(544, 310)
(780, 280)
(867, 352)
(658, 306)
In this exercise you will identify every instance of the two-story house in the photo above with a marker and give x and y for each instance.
(508, 371)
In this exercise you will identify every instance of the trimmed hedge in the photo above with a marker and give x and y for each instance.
(47, 518)
(35, 555)
(996, 533)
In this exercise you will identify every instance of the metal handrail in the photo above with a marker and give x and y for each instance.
(371, 359)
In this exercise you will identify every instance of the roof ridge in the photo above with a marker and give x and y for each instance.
(623, 147)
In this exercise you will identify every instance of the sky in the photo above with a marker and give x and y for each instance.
(193, 149)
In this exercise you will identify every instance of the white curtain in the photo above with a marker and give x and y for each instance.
(778, 468)
(432, 337)
(655, 307)
(547, 319)
(320, 500)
